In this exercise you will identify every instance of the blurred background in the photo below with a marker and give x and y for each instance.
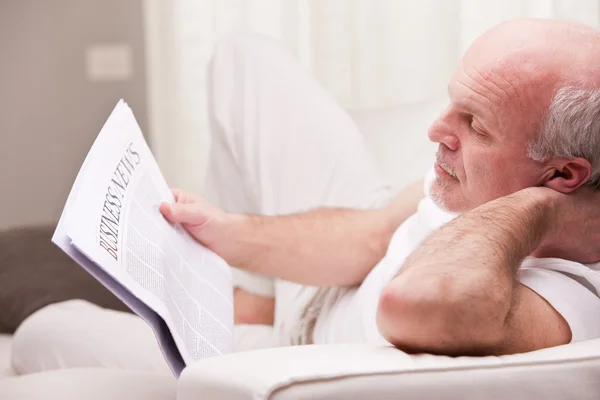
(64, 64)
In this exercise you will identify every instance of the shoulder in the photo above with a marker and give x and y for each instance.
(589, 272)
(571, 288)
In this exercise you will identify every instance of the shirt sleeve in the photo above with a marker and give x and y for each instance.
(570, 295)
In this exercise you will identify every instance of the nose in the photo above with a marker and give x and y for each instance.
(443, 130)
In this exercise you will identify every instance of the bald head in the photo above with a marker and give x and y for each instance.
(525, 62)
(526, 87)
(567, 52)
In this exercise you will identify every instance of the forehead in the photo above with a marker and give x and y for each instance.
(506, 93)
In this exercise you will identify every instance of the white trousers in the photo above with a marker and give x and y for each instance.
(280, 144)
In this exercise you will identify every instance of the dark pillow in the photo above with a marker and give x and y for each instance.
(34, 272)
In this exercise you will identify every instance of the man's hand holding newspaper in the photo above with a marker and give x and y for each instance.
(112, 226)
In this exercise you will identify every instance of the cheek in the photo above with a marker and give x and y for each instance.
(487, 174)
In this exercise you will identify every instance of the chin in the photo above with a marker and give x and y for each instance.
(445, 204)
(446, 198)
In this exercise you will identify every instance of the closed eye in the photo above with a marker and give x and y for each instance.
(474, 127)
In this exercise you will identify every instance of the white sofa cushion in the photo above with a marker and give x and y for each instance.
(5, 352)
(89, 384)
(366, 372)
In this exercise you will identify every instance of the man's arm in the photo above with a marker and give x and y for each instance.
(457, 293)
(324, 247)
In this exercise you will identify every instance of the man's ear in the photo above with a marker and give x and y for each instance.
(567, 175)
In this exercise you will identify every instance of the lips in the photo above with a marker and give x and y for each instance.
(442, 167)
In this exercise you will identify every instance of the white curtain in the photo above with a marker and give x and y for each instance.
(367, 53)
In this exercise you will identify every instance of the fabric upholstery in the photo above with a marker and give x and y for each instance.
(35, 273)
(5, 352)
(89, 384)
(362, 371)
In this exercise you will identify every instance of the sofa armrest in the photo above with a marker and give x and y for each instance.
(89, 384)
(363, 371)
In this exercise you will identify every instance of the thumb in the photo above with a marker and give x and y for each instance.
(181, 213)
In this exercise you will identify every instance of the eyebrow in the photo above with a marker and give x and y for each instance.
(461, 106)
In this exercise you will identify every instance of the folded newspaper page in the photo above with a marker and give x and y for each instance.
(111, 225)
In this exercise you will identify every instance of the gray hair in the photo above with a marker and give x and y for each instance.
(571, 129)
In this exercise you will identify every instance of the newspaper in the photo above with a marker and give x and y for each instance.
(111, 225)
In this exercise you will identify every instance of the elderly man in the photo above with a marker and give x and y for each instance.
(495, 256)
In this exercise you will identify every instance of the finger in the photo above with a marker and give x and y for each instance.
(167, 212)
(177, 194)
(184, 197)
(182, 213)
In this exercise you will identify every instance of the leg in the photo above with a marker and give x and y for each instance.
(280, 144)
(250, 308)
(76, 333)
(80, 334)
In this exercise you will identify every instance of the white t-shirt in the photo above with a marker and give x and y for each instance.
(573, 289)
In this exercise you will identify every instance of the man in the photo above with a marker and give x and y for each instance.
(495, 257)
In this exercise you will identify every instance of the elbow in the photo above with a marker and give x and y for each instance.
(433, 316)
(410, 319)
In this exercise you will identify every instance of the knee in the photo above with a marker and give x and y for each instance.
(247, 46)
(236, 56)
(37, 341)
(77, 333)
(239, 64)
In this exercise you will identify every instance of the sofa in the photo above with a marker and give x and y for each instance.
(399, 143)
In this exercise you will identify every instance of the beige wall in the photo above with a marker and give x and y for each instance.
(50, 112)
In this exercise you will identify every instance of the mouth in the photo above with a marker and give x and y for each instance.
(441, 168)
